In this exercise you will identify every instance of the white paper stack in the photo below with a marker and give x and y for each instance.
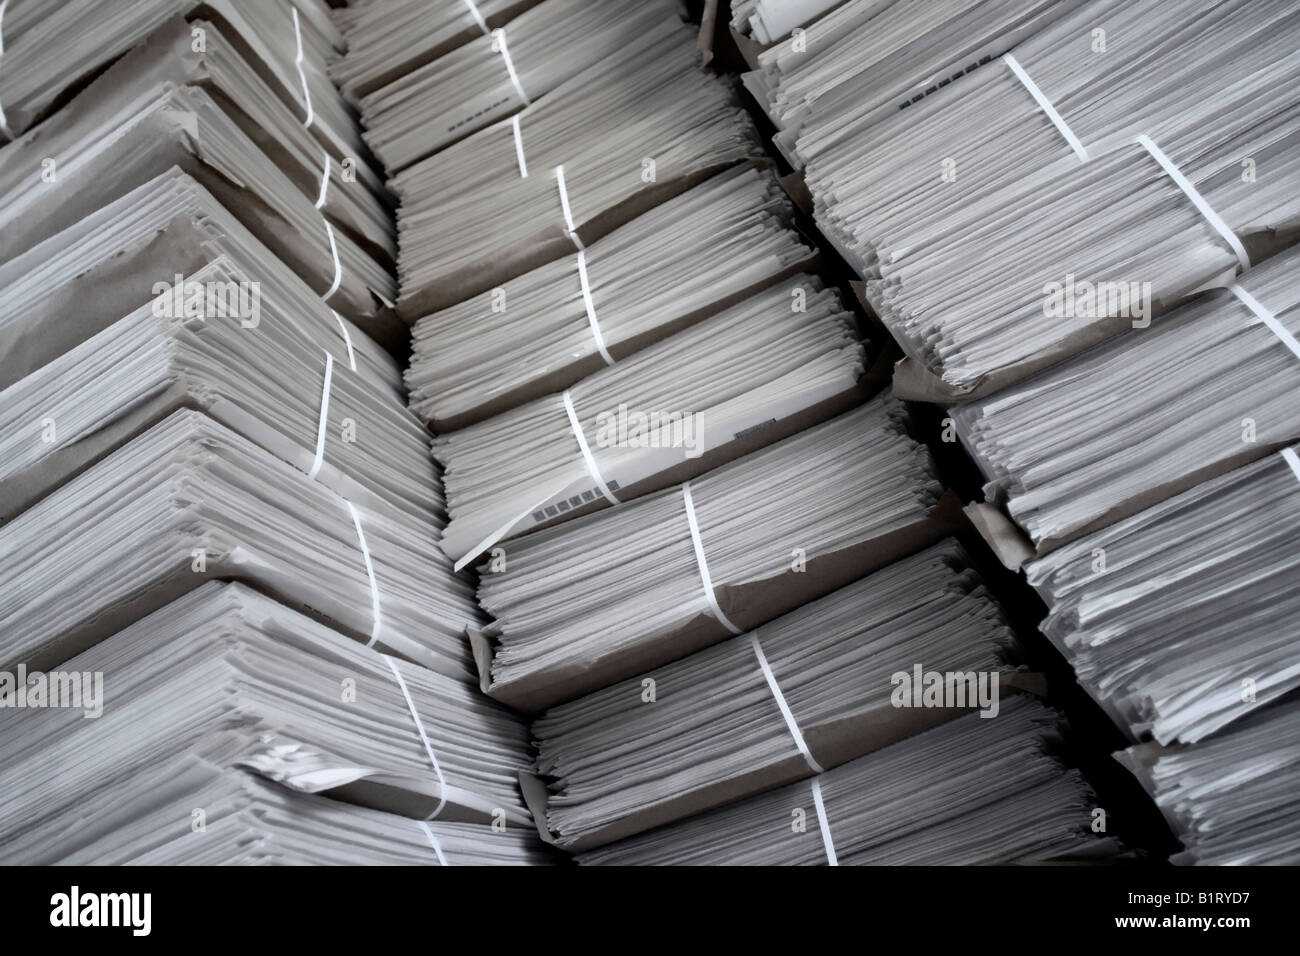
(969, 792)
(677, 264)
(1208, 386)
(639, 126)
(149, 819)
(107, 149)
(784, 359)
(496, 75)
(608, 596)
(190, 500)
(284, 383)
(237, 680)
(123, 255)
(1183, 618)
(867, 59)
(1233, 800)
(53, 50)
(389, 38)
(1012, 166)
(709, 728)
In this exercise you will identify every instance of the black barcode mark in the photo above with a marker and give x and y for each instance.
(574, 501)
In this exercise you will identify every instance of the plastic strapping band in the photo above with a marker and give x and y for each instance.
(1198, 200)
(433, 842)
(4, 124)
(591, 308)
(324, 416)
(519, 147)
(324, 183)
(823, 823)
(297, 32)
(1293, 460)
(370, 574)
(786, 713)
(347, 339)
(482, 25)
(702, 563)
(1267, 317)
(500, 36)
(564, 205)
(587, 456)
(424, 738)
(1046, 106)
(338, 269)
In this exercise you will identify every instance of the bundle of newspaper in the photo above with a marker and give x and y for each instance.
(389, 38)
(130, 252)
(547, 329)
(149, 819)
(499, 73)
(638, 127)
(233, 678)
(190, 500)
(968, 792)
(1182, 618)
(609, 596)
(285, 384)
(1087, 441)
(866, 60)
(129, 127)
(783, 360)
(52, 50)
(1175, 152)
(812, 689)
(1233, 800)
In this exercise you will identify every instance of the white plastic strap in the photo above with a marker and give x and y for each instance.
(338, 269)
(324, 183)
(1046, 106)
(297, 32)
(786, 713)
(702, 563)
(377, 617)
(825, 826)
(4, 124)
(587, 456)
(1198, 200)
(564, 205)
(478, 18)
(1267, 317)
(424, 739)
(500, 36)
(433, 842)
(347, 339)
(1293, 460)
(324, 416)
(591, 308)
(519, 147)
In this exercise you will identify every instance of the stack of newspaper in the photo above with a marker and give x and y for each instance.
(1088, 440)
(805, 692)
(608, 596)
(499, 73)
(633, 129)
(543, 331)
(1233, 800)
(1029, 117)
(785, 359)
(970, 791)
(1183, 618)
(221, 585)
(244, 683)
